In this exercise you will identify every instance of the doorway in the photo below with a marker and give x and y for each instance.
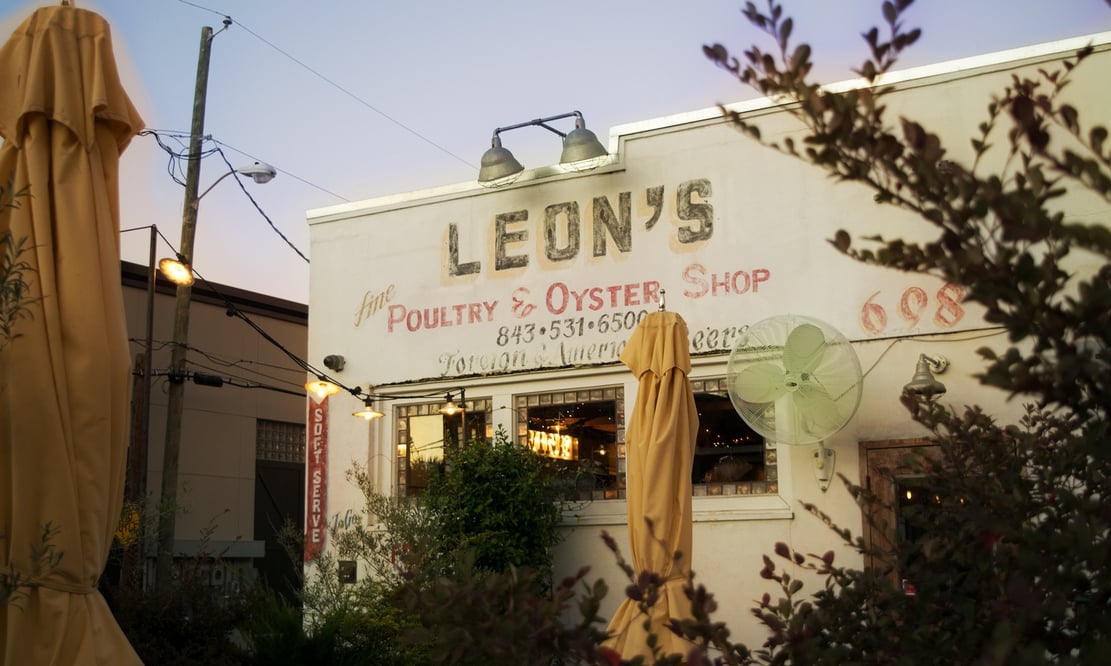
(886, 471)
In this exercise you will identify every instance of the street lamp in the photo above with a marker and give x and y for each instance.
(175, 404)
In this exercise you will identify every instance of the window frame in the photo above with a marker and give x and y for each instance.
(402, 414)
(718, 386)
(615, 392)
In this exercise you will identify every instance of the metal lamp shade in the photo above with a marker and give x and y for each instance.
(498, 163)
(581, 144)
(923, 383)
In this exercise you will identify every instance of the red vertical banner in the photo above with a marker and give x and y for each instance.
(316, 482)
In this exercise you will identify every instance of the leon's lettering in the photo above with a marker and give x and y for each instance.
(689, 210)
(562, 233)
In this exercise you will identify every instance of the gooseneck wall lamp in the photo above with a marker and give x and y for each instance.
(498, 165)
(923, 382)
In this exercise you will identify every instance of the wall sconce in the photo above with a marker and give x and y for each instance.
(923, 382)
(499, 167)
(321, 388)
(368, 412)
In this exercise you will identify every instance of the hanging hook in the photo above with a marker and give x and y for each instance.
(663, 300)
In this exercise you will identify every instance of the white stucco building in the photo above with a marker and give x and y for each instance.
(524, 294)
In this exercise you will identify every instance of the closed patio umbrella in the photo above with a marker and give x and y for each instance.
(64, 377)
(659, 446)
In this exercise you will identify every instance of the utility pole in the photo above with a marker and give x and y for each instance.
(167, 508)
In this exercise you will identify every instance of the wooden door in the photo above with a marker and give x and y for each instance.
(883, 468)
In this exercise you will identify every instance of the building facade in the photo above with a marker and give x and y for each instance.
(520, 296)
(241, 467)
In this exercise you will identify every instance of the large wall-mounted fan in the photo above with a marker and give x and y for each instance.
(794, 379)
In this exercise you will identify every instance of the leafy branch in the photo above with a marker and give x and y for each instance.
(1000, 234)
(14, 285)
(45, 557)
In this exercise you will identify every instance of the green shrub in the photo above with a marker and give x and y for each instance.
(365, 630)
(186, 624)
(497, 500)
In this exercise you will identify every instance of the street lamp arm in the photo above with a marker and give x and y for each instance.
(259, 172)
(197, 201)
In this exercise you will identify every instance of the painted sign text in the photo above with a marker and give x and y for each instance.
(611, 230)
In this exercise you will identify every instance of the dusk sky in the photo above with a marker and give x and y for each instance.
(355, 99)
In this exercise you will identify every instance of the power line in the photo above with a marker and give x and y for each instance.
(291, 175)
(258, 207)
(229, 378)
(176, 157)
(227, 365)
(335, 85)
(180, 155)
(234, 311)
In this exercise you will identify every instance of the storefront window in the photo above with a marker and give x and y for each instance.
(729, 457)
(581, 435)
(423, 434)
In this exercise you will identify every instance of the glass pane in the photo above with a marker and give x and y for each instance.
(579, 441)
(726, 450)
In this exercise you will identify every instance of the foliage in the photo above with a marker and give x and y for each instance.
(45, 556)
(466, 566)
(491, 498)
(998, 233)
(332, 622)
(1013, 565)
(188, 622)
(14, 286)
(395, 537)
(497, 500)
(362, 630)
(491, 618)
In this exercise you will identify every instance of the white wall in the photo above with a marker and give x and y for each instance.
(379, 260)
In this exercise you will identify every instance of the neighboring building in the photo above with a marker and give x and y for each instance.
(242, 470)
(524, 295)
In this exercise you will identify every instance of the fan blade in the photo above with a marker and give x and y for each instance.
(804, 348)
(762, 382)
(819, 411)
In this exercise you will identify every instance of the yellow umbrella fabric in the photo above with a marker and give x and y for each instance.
(64, 378)
(659, 445)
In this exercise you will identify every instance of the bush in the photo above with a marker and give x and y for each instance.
(365, 630)
(497, 500)
(185, 624)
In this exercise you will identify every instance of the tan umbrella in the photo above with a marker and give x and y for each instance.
(659, 445)
(64, 385)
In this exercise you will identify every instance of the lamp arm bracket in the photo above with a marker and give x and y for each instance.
(542, 122)
(938, 364)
